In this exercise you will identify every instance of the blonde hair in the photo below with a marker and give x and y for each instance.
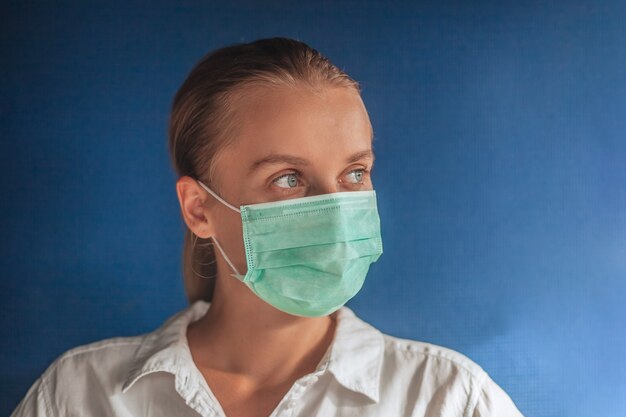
(202, 121)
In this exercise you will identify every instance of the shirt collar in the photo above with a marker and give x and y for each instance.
(356, 354)
(354, 357)
(167, 350)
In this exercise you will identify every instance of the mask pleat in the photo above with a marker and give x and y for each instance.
(322, 254)
(303, 287)
(309, 256)
(312, 229)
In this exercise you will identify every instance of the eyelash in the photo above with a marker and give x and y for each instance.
(365, 171)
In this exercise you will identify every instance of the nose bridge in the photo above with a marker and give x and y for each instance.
(326, 185)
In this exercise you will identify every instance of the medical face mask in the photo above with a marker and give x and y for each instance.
(308, 256)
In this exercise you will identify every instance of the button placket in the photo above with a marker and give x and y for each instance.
(302, 385)
(297, 390)
(311, 380)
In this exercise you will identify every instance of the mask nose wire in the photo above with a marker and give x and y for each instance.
(230, 206)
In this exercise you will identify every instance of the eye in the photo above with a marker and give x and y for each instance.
(289, 180)
(356, 176)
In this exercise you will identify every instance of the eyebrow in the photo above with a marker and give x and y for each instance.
(368, 153)
(274, 159)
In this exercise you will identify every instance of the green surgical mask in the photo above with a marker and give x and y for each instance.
(308, 256)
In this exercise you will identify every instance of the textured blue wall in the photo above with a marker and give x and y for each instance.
(500, 137)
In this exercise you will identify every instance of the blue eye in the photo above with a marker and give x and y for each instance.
(356, 176)
(287, 181)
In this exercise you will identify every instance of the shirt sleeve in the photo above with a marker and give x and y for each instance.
(36, 402)
(493, 401)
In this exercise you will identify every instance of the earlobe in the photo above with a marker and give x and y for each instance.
(193, 205)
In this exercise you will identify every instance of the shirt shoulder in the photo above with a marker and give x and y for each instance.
(442, 378)
(90, 379)
(99, 349)
(441, 358)
(92, 370)
(104, 354)
(79, 374)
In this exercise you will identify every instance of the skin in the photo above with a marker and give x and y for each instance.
(250, 353)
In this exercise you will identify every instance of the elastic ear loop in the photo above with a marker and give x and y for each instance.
(220, 199)
(230, 206)
(238, 276)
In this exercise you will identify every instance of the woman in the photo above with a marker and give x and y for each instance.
(273, 148)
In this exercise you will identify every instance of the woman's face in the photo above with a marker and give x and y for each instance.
(290, 143)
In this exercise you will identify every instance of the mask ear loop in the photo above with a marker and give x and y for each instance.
(220, 199)
(236, 274)
(230, 206)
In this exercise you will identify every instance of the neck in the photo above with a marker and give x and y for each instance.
(244, 335)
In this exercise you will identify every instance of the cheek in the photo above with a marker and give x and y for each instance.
(233, 229)
(229, 232)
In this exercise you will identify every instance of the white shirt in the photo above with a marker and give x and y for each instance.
(364, 373)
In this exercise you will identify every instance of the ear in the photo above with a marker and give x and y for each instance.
(195, 207)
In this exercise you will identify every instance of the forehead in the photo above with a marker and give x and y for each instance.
(300, 120)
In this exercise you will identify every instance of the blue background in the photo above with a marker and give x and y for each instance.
(500, 139)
